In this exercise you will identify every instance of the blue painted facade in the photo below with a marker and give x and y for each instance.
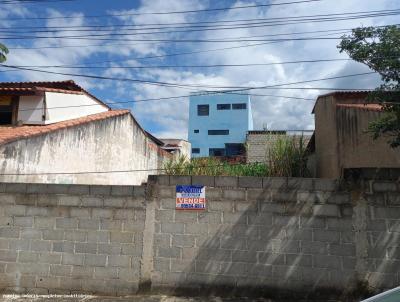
(228, 120)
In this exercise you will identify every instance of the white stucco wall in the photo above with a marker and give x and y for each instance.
(30, 109)
(108, 145)
(84, 105)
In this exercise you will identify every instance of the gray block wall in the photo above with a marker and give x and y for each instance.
(272, 234)
(70, 238)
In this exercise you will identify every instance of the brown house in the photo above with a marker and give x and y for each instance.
(341, 141)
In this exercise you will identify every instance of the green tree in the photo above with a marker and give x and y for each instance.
(379, 49)
(3, 52)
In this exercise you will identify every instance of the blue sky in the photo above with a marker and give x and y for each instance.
(168, 118)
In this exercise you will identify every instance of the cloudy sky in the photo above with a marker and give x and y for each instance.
(102, 38)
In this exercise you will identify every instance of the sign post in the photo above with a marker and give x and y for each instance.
(190, 197)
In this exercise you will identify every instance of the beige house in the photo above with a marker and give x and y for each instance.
(57, 132)
(341, 141)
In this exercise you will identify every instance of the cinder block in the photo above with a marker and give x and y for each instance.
(386, 212)
(60, 270)
(66, 223)
(24, 257)
(279, 183)
(102, 213)
(321, 184)
(119, 260)
(71, 284)
(213, 194)
(234, 194)
(285, 246)
(162, 265)
(40, 246)
(133, 226)
(284, 196)
(339, 198)
(18, 244)
(312, 222)
(82, 272)
(270, 258)
(79, 236)
(183, 241)
(7, 199)
(164, 215)
(342, 249)
(326, 210)
(260, 219)
(340, 224)
(72, 259)
(128, 274)
(169, 252)
(110, 224)
(8, 256)
(300, 184)
(132, 249)
(53, 258)
(384, 186)
(234, 218)
(37, 211)
(9, 232)
(80, 212)
(100, 190)
(57, 188)
(15, 188)
(29, 234)
(122, 190)
(233, 243)
(78, 189)
(115, 202)
(172, 228)
(23, 221)
(95, 260)
(124, 214)
(323, 261)
(121, 237)
(109, 249)
(299, 260)
(63, 246)
(139, 191)
(92, 201)
(326, 236)
(69, 201)
(299, 234)
(87, 248)
(250, 182)
(44, 222)
(259, 195)
(286, 221)
(203, 180)
(17, 210)
(190, 217)
(26, 199)
(86, 224)
(98, 236)
(226, 181)
(105, 273)
(162, 180)
(180, 180)
(53, 234)
(207, 217)
(48, 283)
(244, 256)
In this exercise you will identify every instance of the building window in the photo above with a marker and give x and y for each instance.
(203, 110)
(195, 150)
(216, 152)
(7, 110)
(239, 106)
(196, 131)
(218, 132)
(223, 106)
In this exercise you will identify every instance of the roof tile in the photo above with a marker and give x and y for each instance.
(9, 134)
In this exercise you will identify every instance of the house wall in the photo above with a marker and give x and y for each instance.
(238, 122)
(25, 112)
(259, 144)
(85, 105)
(185, 147)
(294, 238)
(111, 144)
(341, 140)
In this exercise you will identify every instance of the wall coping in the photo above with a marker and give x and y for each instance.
(73, 189)
(282, 183)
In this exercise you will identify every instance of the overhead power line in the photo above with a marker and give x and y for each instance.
(171, 12)
(192, 66)
(177, 85)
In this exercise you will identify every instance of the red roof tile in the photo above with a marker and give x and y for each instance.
(370, 107)
(9, 134)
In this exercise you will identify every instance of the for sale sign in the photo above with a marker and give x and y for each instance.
(190, 197)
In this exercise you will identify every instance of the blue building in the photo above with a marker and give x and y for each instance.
(218, 124)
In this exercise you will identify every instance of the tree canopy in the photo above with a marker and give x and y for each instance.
(379, 49)
(3, 52)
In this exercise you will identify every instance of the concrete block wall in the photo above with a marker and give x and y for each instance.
(71, 238)
(280, 234)
(290, 235)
